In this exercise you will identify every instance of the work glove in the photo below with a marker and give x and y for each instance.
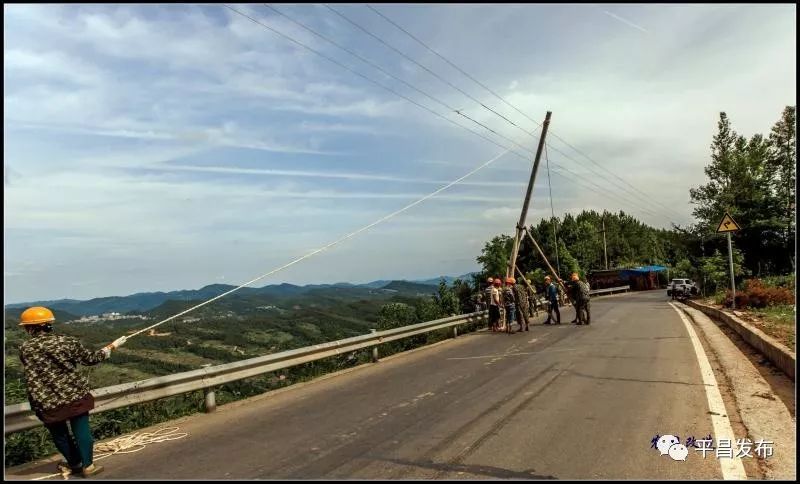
(113, 345)
(118, 342)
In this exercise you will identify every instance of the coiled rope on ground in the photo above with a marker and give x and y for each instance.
(127, 444)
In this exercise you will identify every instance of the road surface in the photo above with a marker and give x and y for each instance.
(563, 402)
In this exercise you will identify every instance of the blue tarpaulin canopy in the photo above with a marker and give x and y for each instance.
(641, 270)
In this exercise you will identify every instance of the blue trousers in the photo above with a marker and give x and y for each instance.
(78, 451)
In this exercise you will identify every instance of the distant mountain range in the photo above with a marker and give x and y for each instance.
(146, 301)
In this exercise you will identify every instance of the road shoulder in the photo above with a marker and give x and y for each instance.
(763, 415)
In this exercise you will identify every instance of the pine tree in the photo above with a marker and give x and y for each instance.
(783, 160)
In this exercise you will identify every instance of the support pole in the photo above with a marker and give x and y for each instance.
(210, 400)
(375, 356)
(520, 226)
(558, 279)
(605, 250)
(733, 281)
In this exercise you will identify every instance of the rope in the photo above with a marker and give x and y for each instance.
(127, 444)
(342, 239)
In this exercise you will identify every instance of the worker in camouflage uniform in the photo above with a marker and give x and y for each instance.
(579, 294)
(57, 392)
(509, 303)
(521, 294)
(533, 303)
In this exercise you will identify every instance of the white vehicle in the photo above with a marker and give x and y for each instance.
(681, 288)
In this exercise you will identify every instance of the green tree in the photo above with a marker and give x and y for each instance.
(446, 300)
(495, 255)
(783, 163)
(395, 315)
(740, 184)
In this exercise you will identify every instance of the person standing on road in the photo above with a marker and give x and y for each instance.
(521, 294)
(509, 303)
(579, 293)
(57, 392)
(487, 298)
(585, 299)
(533, 305)
(551, 293)
(494, 304)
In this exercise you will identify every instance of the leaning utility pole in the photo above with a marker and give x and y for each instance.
(521, 225)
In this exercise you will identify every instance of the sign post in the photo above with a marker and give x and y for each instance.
(727, 225)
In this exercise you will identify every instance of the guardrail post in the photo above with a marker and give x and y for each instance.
(210, 400)
(374, 349)
(455, 331)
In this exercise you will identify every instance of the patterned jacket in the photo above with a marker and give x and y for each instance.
(52, 378)
(521, 294)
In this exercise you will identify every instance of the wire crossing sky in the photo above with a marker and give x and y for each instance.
(164, 147)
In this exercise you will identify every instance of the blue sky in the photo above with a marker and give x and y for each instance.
(165, 147)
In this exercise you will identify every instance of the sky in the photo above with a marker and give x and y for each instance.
(165, 147)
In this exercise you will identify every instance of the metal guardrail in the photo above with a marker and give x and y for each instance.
(610, 290)
(20, 417)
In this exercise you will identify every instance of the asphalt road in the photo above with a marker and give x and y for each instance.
(566, 401)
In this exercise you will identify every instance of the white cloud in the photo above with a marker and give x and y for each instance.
(102, 103)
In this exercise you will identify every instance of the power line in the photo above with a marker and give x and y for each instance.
(642, 194)
(334, 61)
(552, 210)
(437, 76)
(601, 191)
(367, 61)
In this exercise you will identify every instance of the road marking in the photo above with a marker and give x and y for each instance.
(490, 356)
(732, 469)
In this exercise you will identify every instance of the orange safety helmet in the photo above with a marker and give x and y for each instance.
(575, 276)
(36, 315)
(510, 280)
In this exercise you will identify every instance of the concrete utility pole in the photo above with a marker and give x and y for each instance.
(524, 214)
(605, 250)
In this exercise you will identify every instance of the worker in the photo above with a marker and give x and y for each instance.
(551, 294)
(494, 303)
(488, 299)
(584, 301)
(533, 303)
(509, 303)
(521, 294)
(478, 302)
(574, 294)
(57, 392)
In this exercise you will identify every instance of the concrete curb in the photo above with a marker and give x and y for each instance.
(763, 415)
(779, 354)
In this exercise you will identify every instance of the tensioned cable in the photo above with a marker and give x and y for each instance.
(335, 242)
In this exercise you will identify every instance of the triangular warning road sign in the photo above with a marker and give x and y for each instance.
(727, 224)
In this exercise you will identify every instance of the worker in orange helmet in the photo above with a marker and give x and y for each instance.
(579, 294)
(57, 392)
(509, 303)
